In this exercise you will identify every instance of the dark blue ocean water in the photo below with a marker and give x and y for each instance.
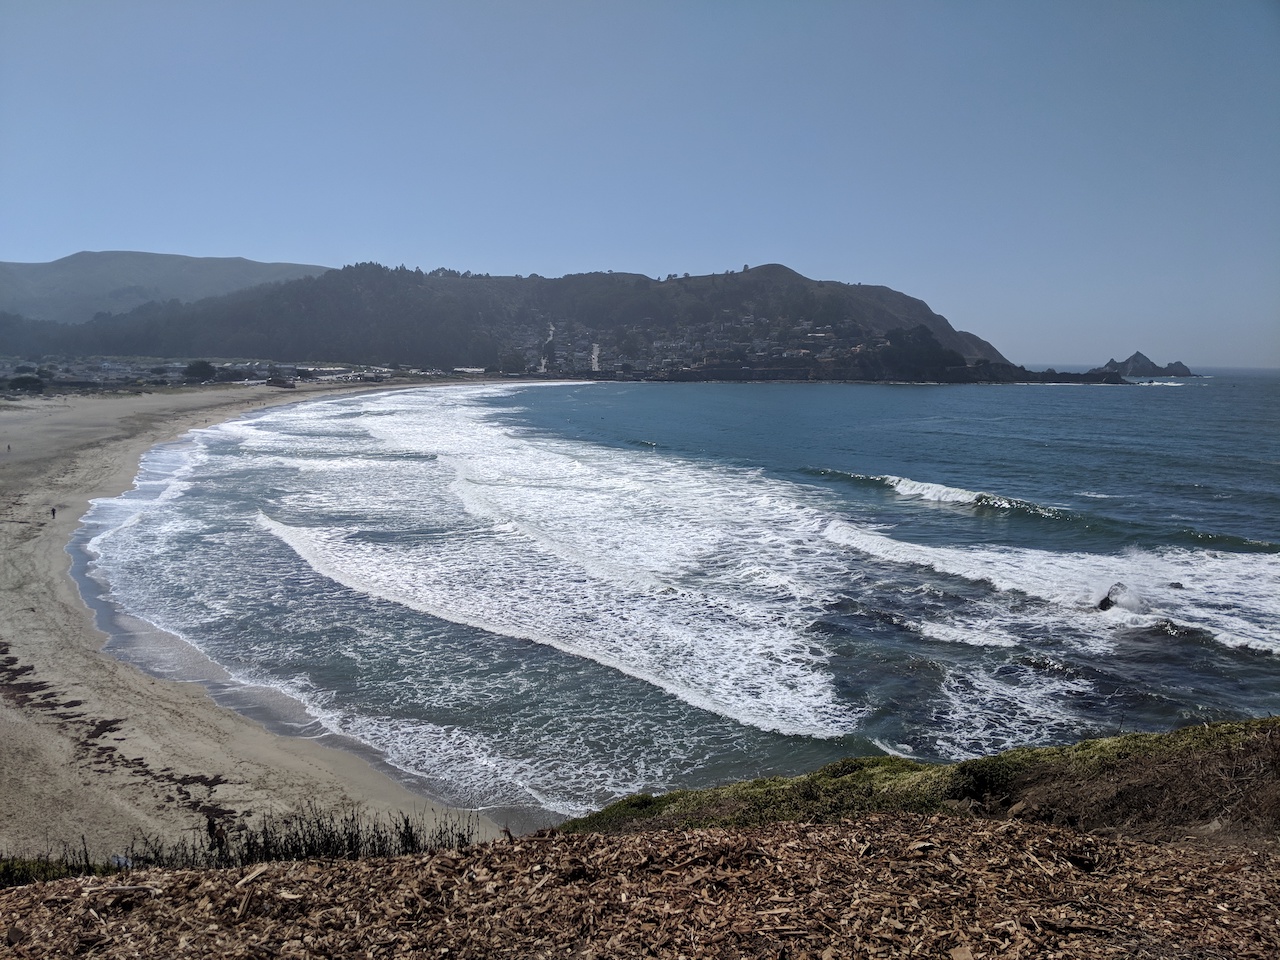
(544, 597)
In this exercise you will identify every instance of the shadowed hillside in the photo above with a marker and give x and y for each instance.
(768, 321)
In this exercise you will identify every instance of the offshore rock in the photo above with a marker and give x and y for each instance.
(1121, 596)
(1140, 365)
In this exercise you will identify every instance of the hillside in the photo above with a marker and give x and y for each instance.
(75, 288)
(761, 323)
(1220, 780)
(990, 879)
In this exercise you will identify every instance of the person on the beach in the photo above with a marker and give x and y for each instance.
(53, 513)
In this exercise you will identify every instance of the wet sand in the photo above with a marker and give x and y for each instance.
(90, 746)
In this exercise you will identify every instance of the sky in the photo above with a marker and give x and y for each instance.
(1072, 180)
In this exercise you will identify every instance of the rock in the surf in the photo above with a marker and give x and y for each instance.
(1120, 596)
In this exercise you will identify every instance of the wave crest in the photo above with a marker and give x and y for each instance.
(941, 493)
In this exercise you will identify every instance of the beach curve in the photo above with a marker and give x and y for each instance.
(94, 750)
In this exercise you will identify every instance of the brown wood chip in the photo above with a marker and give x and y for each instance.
(879, 886)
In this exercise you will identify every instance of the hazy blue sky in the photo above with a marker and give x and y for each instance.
(1072, 180)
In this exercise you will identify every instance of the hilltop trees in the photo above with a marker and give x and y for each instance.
(26, 383)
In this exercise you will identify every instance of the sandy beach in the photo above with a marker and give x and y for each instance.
(90, 746)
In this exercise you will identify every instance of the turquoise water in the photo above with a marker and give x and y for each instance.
(542, 597)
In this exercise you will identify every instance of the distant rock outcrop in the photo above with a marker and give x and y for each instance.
(1140, 365)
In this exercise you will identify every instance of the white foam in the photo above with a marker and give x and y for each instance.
(970, 633)
(895, 749)
(164, 475)
(1235, 597)
(478, 773)
(989, 708)
(941, 493)
(936, 492)
(712, 653)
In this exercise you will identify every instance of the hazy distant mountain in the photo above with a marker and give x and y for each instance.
(73, 289)
(1140, 365)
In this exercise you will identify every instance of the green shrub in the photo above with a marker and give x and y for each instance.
(27, 384)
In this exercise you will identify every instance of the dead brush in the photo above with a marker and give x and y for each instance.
(312, 833)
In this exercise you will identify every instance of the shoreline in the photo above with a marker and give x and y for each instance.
(93, 748)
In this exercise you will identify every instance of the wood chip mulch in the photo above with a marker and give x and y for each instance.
(880, 886)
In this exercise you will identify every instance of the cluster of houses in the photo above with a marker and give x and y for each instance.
(26, 375)
(747, 340)
(561, 349)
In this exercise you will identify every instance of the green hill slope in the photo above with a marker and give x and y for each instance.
(1219, 779)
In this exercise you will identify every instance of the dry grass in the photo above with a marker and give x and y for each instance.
(347, 833)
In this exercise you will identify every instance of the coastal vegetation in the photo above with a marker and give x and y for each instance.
(312, 833)
(1219, 781)
(1206, 779)
(840, 862)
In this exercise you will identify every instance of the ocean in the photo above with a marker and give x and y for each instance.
(535, 599)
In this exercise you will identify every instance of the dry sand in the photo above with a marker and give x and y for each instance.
(90, 746)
